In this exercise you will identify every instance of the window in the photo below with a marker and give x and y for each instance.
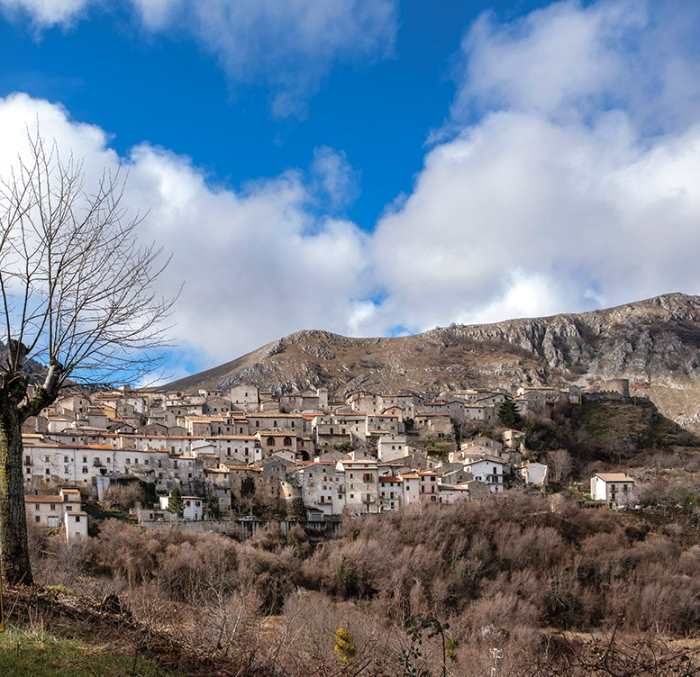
(85, 470)
(27, 460)
(37, 519)
(37, 506)
(287, 441)
(52, 506)
(77, 519)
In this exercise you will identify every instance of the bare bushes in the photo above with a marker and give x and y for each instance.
(398, 592)
(124, 497)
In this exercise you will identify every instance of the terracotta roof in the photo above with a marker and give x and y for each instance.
(614, 477)
(43, 499)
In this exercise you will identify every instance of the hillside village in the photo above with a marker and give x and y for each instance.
(210, 460)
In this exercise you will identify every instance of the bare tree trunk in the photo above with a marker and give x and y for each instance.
(13, 519)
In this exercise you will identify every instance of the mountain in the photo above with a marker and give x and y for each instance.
(655, 343)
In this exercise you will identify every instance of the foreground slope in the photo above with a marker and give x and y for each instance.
(655, 343)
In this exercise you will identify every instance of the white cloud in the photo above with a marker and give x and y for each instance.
(256, 263)
(334, 176)
(569, 62)
(45, 13)
(560, 59)
(572, 190)
(289, 45)
(156, 13)
(558, 198)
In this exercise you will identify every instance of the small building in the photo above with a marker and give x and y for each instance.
(614, 488)
(55, 510)
(390, 447)
(390, 492)
(534, 474)
(192, 508)
(489, 470)
(76, 525)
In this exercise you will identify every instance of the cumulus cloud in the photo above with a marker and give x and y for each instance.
(256, 262)
(45, 13)
(568, 62)
(562, 187)
(561, 196)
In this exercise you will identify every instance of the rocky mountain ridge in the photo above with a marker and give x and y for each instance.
(655, 343)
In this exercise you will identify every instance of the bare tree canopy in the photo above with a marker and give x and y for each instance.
(78, 295)
(77, 287)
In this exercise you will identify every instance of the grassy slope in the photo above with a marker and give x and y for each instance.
(24, 653)
(609, 430)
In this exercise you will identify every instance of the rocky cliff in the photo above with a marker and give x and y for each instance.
(655, 343)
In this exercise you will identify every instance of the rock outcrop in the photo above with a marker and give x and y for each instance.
(655, 343)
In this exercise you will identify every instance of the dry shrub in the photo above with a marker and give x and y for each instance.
(124, 497)
(197, 571)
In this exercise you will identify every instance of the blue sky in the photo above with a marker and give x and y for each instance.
(166, 90)
(377, 166)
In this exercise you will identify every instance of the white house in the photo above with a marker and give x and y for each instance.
(410, 487)
(322, 486)
(453, 493)
(54, 510)
(615, 488)
(390, 447)
(361, 485)
(488, 469)
(245, 397)
(534, 473)
(192, 508)
(76, 525)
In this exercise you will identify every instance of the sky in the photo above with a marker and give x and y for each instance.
(376, 167)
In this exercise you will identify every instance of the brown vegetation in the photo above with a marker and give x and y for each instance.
(449, 590)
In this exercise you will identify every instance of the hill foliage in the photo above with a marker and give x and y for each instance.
(412, 591)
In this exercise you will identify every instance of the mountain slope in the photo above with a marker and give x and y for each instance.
(655, 343)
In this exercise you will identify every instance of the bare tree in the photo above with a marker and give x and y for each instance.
(561, 464)
(77, 295)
